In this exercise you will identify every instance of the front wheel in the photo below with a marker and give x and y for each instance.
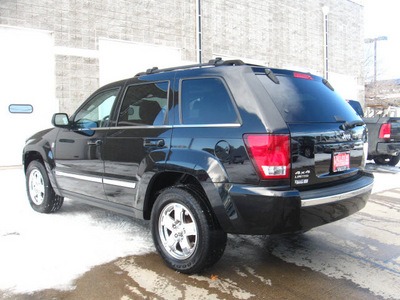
(387, 160)
(184, 231)
(41, 195)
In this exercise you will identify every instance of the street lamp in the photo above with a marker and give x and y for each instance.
(325, 12)
(374, 40)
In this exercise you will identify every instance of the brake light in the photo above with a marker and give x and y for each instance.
(385, 130)
(302, 76)
(270, 154)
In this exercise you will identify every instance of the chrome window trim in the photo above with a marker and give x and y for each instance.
(93, 129)
(335, 198)
(140, 127)
(207, 125)
(233, 125)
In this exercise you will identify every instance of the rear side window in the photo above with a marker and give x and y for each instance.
(307, 99)
(144, 104)
(357, 107)
(206, 101)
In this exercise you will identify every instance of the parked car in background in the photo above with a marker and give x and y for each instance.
(205, 150)
(383, 137)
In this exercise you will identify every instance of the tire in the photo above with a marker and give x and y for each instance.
(387, 160)
(41, 195)
(198, 244)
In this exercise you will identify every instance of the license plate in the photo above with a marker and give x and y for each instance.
(341, 161)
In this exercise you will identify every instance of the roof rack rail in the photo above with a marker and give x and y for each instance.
(213, 62)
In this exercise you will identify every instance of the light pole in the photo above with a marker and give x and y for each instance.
(325, 12)
(374, 40)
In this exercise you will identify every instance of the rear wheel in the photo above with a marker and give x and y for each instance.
(41, 195)
(184, 231)
(387, 160)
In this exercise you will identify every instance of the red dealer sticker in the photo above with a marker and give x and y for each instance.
(341, 161)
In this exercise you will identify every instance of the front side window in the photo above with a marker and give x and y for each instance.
(96, 112)
(206, 101)
(144, 104)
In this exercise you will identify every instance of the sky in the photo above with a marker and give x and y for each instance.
(381, 18)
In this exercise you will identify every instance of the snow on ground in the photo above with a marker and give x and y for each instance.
(40, 251)
(386, 177)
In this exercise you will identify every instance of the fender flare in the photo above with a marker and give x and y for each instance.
(40, 146)
(205, 168)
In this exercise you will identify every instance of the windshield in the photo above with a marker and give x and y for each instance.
(307, 99)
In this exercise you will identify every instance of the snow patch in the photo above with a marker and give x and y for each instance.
(43, 251)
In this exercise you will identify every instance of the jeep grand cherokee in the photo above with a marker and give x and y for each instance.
(206, 150)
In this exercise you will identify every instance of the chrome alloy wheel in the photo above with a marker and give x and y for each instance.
(178, 231)
(36, 187)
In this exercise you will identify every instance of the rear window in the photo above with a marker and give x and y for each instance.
(307, 100)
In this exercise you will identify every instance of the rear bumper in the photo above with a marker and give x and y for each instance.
(388, 148)
(259, 210)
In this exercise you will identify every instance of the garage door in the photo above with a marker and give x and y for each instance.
(27, 93)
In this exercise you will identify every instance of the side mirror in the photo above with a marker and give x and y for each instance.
(60, 120)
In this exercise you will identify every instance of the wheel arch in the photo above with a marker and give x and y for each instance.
(31, 156)
(168, 179)
(207, 192)
(45, 158)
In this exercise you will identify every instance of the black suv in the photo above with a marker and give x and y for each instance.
(205, 150)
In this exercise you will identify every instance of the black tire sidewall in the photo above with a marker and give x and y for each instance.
(392, 160)
(198, 260)
(47, 204)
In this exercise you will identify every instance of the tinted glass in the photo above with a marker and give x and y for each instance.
(96, 112)
(305, 100)
(144, 104)
(20, 108)
(206, 101)
(357, 107)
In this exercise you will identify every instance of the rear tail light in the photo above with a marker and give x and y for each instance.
(270, 154)
(384, 133)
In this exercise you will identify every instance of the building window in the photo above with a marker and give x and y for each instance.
(20, 108)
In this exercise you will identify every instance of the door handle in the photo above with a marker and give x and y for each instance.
(95, 142)
(154, 143)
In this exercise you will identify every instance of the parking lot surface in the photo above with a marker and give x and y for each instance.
(88, 253)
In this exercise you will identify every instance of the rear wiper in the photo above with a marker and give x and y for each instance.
(348, 125)
(351, 124)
